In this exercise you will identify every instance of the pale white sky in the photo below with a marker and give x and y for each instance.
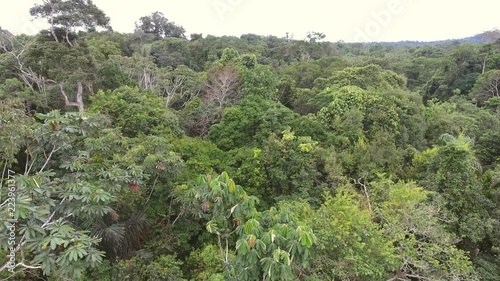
(349, 20)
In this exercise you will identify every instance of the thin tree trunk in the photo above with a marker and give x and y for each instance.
(52, 31)
(484, 64)
(79, 97)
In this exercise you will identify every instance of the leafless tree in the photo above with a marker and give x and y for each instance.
(139, 68)
(11, 46)
(222, 87)
(487, 86)
(179, 87)
(35, 81)
(171, 86)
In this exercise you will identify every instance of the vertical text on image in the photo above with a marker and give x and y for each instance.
(11, 222)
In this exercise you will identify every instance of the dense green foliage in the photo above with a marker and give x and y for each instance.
(148, 156)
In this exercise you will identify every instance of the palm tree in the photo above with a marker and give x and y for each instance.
(119, 238)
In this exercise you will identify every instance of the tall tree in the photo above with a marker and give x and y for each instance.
(350, 245)
(424, 247)
(160, 26)
(272, 245)
(314, 36)
(48, 206)
(222, 87)
(70, 15)
(487, 86)
(53, 67)
(454, 173)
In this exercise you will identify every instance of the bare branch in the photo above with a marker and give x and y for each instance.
(26, 74)
(172, 86)
(365, 191)
(488, 85)
(79, 97)
(22, 264)
(222, 87)
(54, 149)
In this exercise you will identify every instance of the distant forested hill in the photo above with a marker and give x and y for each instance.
(485, 37)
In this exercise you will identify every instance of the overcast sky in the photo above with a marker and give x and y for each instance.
(349, 20)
